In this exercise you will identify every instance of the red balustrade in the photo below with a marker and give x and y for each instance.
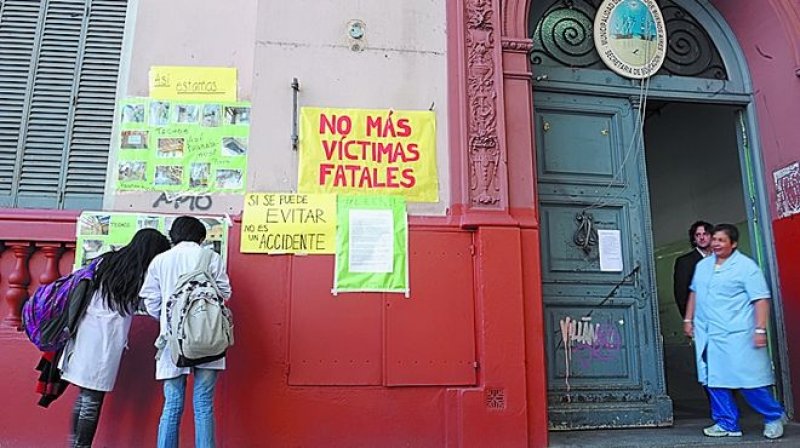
(34, 250)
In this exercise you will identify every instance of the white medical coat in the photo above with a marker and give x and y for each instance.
(159, 284)
(724, 323)
(91, 359)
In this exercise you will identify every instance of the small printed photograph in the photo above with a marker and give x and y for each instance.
(168, 175)
(147, 222)
(212, 115)
(91, 250)
(229, 179)
(214, 228)
(133, 113)
(199, 174)
(134, 140)
(214, 233)
(237, 115)
(187, 113)
(131, 171)
(168, 224)
(234, 146)
(159, 113)
(94, 224)
(170, 147)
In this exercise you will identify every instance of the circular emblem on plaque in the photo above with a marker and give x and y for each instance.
(630, 37)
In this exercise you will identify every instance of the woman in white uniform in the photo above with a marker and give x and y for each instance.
(91, 359)
(727, 315)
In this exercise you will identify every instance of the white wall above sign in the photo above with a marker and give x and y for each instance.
(631, 37)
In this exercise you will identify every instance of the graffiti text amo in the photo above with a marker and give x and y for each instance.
(193, 202)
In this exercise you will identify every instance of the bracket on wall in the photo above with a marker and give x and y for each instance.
(295, 112)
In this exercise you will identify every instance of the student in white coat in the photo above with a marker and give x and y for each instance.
(186, 233)
(91, 359)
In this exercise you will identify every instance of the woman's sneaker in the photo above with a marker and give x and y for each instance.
(716, 431)
(774, 429)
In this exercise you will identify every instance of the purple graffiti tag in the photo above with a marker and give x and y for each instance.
(603, 348)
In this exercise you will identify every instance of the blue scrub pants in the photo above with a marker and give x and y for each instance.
(725, 413)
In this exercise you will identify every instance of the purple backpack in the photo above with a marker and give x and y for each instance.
(51, 315)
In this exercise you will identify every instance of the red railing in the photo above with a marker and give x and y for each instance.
(36, 246)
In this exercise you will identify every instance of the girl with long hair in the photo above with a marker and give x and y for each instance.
(91, 359)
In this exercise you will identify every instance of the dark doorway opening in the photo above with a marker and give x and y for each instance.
(694, 172)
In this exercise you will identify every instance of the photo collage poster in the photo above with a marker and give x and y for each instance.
(185, 146)
(100, 232)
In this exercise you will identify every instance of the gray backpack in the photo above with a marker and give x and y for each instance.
(199, 325)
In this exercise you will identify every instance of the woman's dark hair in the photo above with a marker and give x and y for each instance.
(705, 225)
(120, 274)
(187, 228)
(728, 229)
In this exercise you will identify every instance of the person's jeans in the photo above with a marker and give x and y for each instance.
(203, 401)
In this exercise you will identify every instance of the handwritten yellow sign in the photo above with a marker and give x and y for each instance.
(287, 223)
(368, 152)
(193, 83)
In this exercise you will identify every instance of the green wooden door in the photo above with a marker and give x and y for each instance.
(601, 321)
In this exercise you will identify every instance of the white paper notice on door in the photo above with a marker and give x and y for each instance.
(610, 247)
(371, 241)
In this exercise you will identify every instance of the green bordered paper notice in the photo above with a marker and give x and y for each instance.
(371, 245)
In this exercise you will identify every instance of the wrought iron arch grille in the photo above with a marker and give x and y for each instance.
(563, 37)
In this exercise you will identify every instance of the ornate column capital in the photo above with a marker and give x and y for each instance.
(517, 45)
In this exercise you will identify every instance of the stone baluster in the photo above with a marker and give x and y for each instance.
(18, 282)
(51, 252)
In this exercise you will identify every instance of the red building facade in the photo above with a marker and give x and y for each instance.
(463, 362)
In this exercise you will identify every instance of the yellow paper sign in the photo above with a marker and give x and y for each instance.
(193, 83)
(287, 223)
(375, 152)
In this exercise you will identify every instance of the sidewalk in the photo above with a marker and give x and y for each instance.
(685, 433)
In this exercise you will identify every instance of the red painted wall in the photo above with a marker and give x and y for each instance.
(769, 35)
(310, 369)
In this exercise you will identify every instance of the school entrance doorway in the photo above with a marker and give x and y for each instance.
(628, 165)
(698, 168)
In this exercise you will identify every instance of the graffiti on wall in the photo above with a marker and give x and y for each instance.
(787, 190)
(191, 201)
(587, 343)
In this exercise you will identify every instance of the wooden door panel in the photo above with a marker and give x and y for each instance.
(606, 358)
(606, 370)
(562, 260)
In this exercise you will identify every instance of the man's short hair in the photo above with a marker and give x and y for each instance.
(187, 228)
(705, 225)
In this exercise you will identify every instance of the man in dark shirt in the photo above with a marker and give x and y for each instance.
(700, 238)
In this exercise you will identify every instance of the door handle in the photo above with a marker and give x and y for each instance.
(546, 126)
